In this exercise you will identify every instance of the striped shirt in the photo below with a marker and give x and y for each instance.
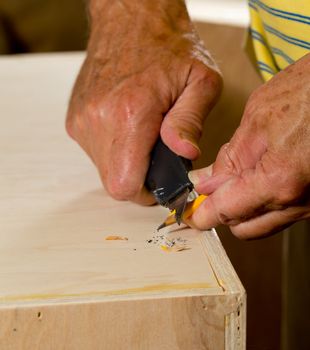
(280, 31)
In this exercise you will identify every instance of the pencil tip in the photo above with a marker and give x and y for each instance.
(161, 226)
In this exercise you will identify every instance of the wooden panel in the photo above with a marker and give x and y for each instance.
(62, 285)
(174, 323)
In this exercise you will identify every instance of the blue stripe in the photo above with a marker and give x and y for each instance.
(265, 70)
(280, 13)
(252, 6)
(264, 64)
(279, 52)
(258, 2)
(274, 50)
(261, 41)
(256, 35)
(266, 67)
(289, 39)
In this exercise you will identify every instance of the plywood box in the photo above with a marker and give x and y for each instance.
(62, 284)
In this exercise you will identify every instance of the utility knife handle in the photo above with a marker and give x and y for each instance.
(167, 175)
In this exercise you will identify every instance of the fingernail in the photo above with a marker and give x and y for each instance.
(200, 175)
(187, 137)
(193, 177)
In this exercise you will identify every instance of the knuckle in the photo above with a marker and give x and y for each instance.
(125, 112)
(228, 220)
(223, 218)
(134, 106)
(81, 117)
(207, 77)
(211, 79)
(229, 159)
(93, 112)
(128, 110)
(120, 189)
(115, 191)
(215, 80)
(70, 127)
(186, 121)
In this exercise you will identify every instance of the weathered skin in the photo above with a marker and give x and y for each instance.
(144, 62)
(260, 181)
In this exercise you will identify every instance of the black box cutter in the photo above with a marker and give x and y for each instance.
(167, 179)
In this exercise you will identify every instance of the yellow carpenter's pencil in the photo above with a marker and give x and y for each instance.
(189, 210)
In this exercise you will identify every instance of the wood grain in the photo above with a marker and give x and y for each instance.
(167, 323)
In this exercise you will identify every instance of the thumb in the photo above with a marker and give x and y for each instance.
(243, 152)
(182, 126)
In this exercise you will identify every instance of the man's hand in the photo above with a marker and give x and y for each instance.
(144, 62)
(260, 181)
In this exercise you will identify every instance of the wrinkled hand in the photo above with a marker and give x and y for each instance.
(140, 67)
(260, 181)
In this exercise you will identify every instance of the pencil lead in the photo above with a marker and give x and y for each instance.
(161, 226)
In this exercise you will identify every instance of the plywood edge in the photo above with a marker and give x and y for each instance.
(161, 291)
(235, 319)
(221, 265)
(235, 326)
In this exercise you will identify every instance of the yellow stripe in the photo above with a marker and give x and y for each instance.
(284, 36)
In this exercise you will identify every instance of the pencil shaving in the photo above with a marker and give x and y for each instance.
(169, 245)
(174, 248)
(173, 245)
(116, 238)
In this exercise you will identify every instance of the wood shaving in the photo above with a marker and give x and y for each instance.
(116, 238)
(174, 248)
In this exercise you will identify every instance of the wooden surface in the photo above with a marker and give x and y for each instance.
(62, 285)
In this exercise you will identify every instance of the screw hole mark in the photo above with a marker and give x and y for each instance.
(39, 315)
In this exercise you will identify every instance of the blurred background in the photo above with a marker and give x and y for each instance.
(41, 26)
(61, 25)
